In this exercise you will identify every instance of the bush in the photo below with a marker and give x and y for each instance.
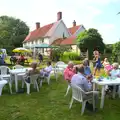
(77, 62)
(70, 56)
(116, 53)
(108, 48)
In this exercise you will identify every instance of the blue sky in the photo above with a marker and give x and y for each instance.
(99, 14)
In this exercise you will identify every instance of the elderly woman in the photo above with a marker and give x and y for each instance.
(114, 73)
(32, 71)
(46, 71)
(69, 71)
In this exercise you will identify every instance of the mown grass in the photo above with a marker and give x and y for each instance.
(50, 104)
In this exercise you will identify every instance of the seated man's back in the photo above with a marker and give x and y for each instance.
(80, 80)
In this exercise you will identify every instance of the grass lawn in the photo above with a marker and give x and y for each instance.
(50, 104)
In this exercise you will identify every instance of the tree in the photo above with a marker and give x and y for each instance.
(116, 52)
(12, 32)
(90, 40)
(58, 52)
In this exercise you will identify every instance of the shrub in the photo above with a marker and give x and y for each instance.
(70, 56)
(116, 53)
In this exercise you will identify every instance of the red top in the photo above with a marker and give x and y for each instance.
(68, 73)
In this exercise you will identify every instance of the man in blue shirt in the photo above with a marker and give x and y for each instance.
(87, 71)
(81, 81)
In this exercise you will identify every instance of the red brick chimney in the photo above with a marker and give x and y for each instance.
(74, 23)
(37, 25)
(59, 16)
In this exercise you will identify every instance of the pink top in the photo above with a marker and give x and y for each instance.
(68, 73)
(108, 67)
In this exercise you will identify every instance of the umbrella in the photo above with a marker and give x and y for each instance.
(44, 45)
(21, 50)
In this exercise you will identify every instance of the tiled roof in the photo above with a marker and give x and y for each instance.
(72, 30)
(41, 32)
(69, 41)
(57, 41)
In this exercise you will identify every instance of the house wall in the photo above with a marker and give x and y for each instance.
(75, 48)
(81, 29)
(59, 31)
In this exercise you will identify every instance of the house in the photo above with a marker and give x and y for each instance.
(52, 33)
(75, 30)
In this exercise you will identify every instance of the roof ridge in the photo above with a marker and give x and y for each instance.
(75, 26)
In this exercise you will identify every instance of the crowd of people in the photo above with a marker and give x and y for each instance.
(81, 75)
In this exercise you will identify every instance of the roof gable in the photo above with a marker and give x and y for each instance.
(69, 41)
(73, 29)
(37, 33)
(52, 30)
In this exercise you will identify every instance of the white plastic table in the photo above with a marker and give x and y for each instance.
(62, 66)
(16, 72)
(2, 84)
(103, 83)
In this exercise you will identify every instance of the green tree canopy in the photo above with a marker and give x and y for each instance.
(12, 32)
(58, 52)
(116, 52)
(89, 40)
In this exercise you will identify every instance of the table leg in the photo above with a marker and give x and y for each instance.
(102, 97)
(119, 91)
(94, 86)
(16, 83)
(114, 91)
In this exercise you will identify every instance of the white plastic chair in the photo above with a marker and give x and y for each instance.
(2, 84)
(5, 75)
(33, 80)
(81, 96)
(18, 67)
(4, 70)
(68, 88)
(58, 69)
(47, 78)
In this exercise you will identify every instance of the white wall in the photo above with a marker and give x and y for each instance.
(58, 33)
(82, 29)
(47, 40)
(75, 48)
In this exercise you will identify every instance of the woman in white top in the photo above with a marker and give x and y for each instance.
(114, 73)
(46, 71)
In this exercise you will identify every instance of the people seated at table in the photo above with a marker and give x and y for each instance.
(2, 62)
(87, 70)
(46, 71)
(114, 73)
(80, 80)
(21, 59)
(33, 71)
(106, 64)
(69, 71)
(13, 59)
(86, 59)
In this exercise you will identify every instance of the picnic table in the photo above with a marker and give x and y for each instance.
(103, 82)
(20, 72)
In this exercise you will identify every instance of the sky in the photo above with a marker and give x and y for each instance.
(98, 14)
